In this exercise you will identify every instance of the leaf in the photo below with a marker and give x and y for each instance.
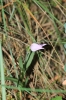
(23, 15)
(2, 74)
(54, 3)
(65, 45)
(65, 27)
(57, 98)
(20, 63)
(65, 67)
(30, 59)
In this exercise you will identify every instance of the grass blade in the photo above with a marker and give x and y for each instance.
(3, 16)
(42, 6)
(2, 74)
(20, 63)
(30, 60)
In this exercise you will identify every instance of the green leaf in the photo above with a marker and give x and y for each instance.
(57, 98)
(30, 59)
(23, 15)
(65, 67)
(54, 4)
(20, 63)
(2, 74)
(65, 27)
(65, 45)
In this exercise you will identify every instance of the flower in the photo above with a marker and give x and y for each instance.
(35, 46)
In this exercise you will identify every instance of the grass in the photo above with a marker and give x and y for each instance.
(3, 89)
(26, 74)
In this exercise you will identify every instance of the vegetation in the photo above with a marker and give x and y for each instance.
(28, 75)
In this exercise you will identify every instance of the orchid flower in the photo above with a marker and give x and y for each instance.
(35, 46)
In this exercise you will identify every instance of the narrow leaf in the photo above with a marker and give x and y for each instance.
(20, 63)
(2, 74)
(30, 59)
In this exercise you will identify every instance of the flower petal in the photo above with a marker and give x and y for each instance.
(35, 46)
